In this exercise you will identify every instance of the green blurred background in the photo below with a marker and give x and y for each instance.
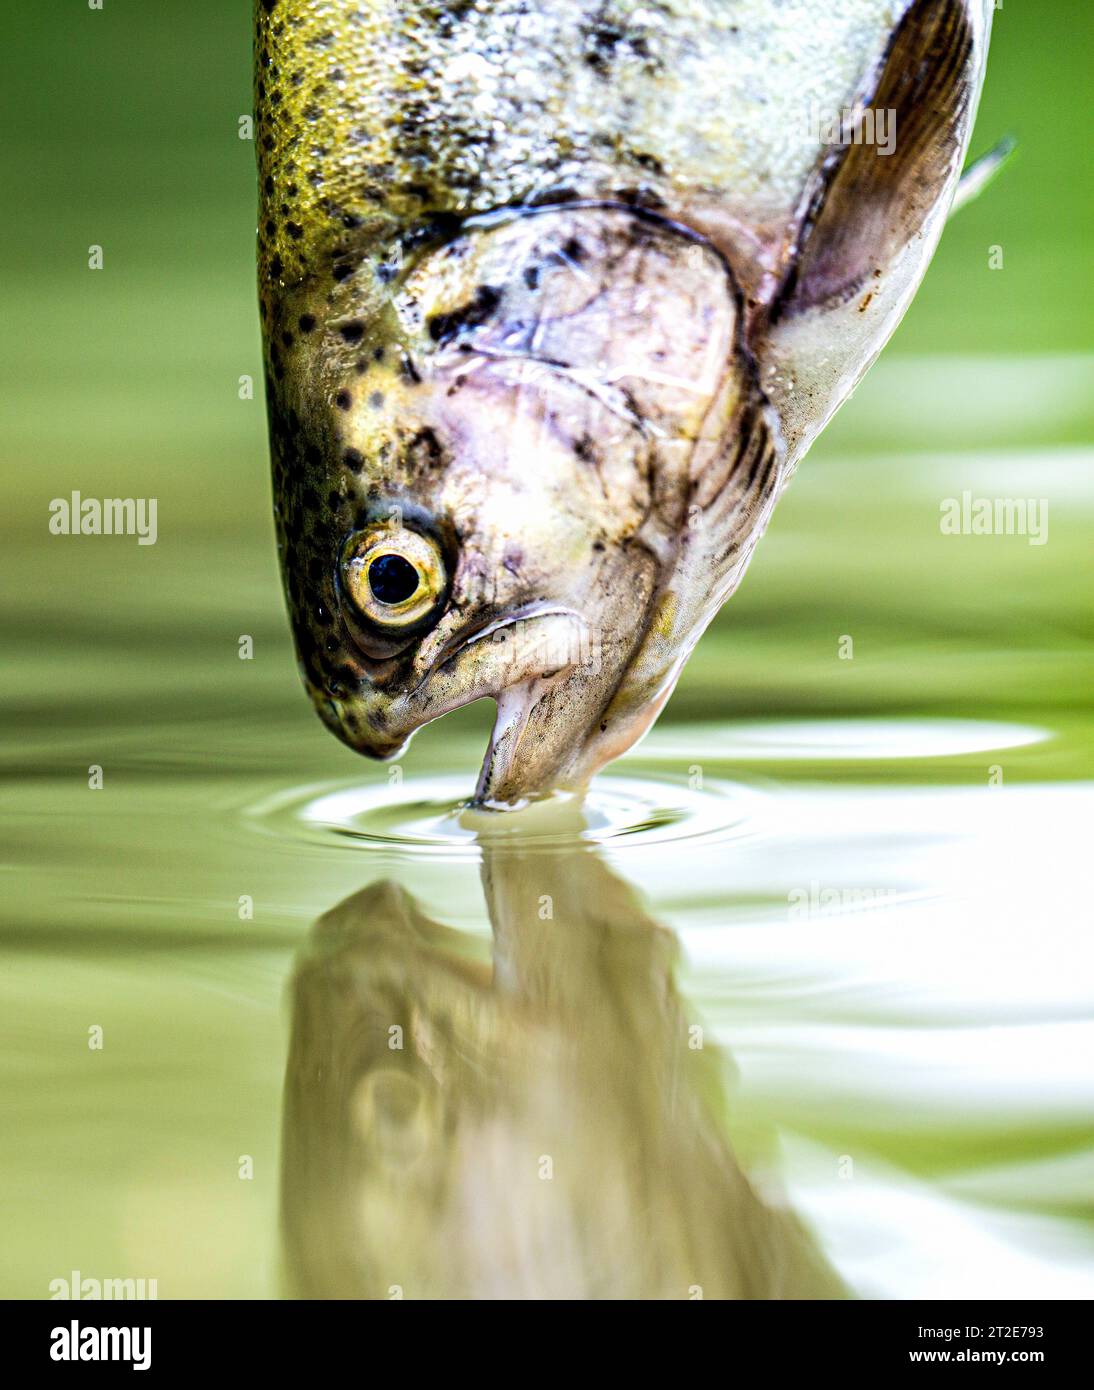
(120, 129)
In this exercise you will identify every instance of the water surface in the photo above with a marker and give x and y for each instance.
(812, 1010)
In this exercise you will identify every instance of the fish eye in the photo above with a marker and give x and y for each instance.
(394, 577)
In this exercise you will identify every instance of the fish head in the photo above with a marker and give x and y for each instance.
(501, 450)
(525, 454)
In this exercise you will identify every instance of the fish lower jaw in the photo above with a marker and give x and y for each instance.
(513, 774)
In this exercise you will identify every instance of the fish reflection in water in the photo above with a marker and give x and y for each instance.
(542, 1128)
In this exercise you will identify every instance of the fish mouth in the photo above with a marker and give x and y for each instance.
(520, 661)
(509, 777)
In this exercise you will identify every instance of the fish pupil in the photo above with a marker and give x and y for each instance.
(392, 579)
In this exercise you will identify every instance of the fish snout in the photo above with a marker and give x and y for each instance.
(528, 651)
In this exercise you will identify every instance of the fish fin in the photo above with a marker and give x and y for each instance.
(868, 223)
(863, 204)
(981, 172)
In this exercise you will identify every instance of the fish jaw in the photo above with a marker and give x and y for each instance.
(546, 723)
(545, 671)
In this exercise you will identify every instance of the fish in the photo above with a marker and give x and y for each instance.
(554, 298)
(541, 1118)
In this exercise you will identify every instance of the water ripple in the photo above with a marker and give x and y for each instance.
(430, 815)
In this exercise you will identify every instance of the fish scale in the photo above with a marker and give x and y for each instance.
(381, 112)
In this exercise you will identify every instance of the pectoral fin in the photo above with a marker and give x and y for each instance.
(874, 190)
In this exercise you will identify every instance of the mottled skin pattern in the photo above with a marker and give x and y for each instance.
(529, 289)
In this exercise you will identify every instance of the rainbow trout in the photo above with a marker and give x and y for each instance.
(555, 294)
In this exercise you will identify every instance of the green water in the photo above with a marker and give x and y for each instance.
(813, 1008)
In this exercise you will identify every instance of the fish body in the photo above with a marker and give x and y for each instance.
(554, 298)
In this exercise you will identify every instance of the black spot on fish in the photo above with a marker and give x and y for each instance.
(353, 458)
(601, 43)
(376, 400)
(305, 323)
(444, 327)
(650, 162)
(553, 196)
(342, 271)
(426, 450)
(295, 230)
(343, 400)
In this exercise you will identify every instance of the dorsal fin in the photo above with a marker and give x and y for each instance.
(981, 172)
